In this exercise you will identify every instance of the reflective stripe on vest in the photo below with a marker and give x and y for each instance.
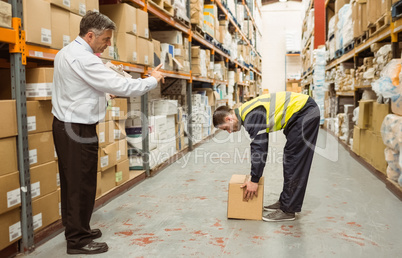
(280, 107)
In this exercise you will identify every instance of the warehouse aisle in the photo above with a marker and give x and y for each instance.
(181, 211)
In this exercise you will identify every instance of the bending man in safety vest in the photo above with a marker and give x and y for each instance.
(299, 116)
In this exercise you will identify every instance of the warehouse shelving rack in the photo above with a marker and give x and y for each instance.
(389, 34)
(22, 52)
(318, 33)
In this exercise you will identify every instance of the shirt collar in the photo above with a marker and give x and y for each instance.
(238, 116)
(82, 42)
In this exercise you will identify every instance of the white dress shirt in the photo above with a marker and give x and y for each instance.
(81, 80)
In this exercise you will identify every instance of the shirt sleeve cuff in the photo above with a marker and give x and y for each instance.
(152, 82)
(255, 179)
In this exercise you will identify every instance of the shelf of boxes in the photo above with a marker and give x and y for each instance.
(251, 16)
(37, 52)
(349, 70)
(223, 9)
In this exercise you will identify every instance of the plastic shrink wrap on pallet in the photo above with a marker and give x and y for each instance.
(391, 131)
(319, 86)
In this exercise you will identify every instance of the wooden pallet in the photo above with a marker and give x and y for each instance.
(349, 47)
(158, 3)
(209, 38)
(168, 8)
(180, 19)
(361, 39)
(198, 30)
(380, 24)
(164, 5)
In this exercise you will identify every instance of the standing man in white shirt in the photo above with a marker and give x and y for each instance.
(78, 97)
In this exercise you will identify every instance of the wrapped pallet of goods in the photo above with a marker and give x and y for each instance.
(180, 10)
(196, 13)
(389, 86)
(319, 80)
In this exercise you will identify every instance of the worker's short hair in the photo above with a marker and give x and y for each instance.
(220, 114)
(96, 23)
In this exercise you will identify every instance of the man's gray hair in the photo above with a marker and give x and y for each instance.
(96, 23)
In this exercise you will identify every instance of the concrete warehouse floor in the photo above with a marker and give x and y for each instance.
(181, 212)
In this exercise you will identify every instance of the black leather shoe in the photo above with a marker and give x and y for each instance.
(96, 233)
(91, 248)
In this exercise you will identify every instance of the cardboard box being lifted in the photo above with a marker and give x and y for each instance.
(238, 208)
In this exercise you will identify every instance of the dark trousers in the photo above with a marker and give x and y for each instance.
(77, 151)
(301, 134)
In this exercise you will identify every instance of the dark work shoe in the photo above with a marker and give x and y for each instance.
(96, 233)
(279, 215)
(273, 207)
(91, 248)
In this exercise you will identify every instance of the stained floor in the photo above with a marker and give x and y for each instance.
(181, 212)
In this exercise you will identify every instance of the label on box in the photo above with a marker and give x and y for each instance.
(135, 28)
(102, 137)
(37, 221)
(177, 52)
(135, 56)
(82, 9)
(115, 111)
(66, 40)
(31, 123)
(116, 134)
(13, 197)
(38, 90)
(178, 37)
(58, 179)
(46, 36)
(118, 155)
(146, 60)
(104, 161)
(35, 189)
(55, 153)
(119, 176)
(111, 51)
(59, 208)
(15, 231)
(146, 32)
(33, 156)
(66, 3)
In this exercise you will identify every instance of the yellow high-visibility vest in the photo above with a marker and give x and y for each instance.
(280, 107)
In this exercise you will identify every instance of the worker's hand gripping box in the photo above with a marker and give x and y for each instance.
(238, 208)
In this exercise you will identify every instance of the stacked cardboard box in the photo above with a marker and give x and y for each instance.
(367, 140)
(54, 23)
(112, 157)
(10, 228)
(179, 129)
(210, 16)
(39, 83)
(198, 61)
(196, 13)
(132, 34)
